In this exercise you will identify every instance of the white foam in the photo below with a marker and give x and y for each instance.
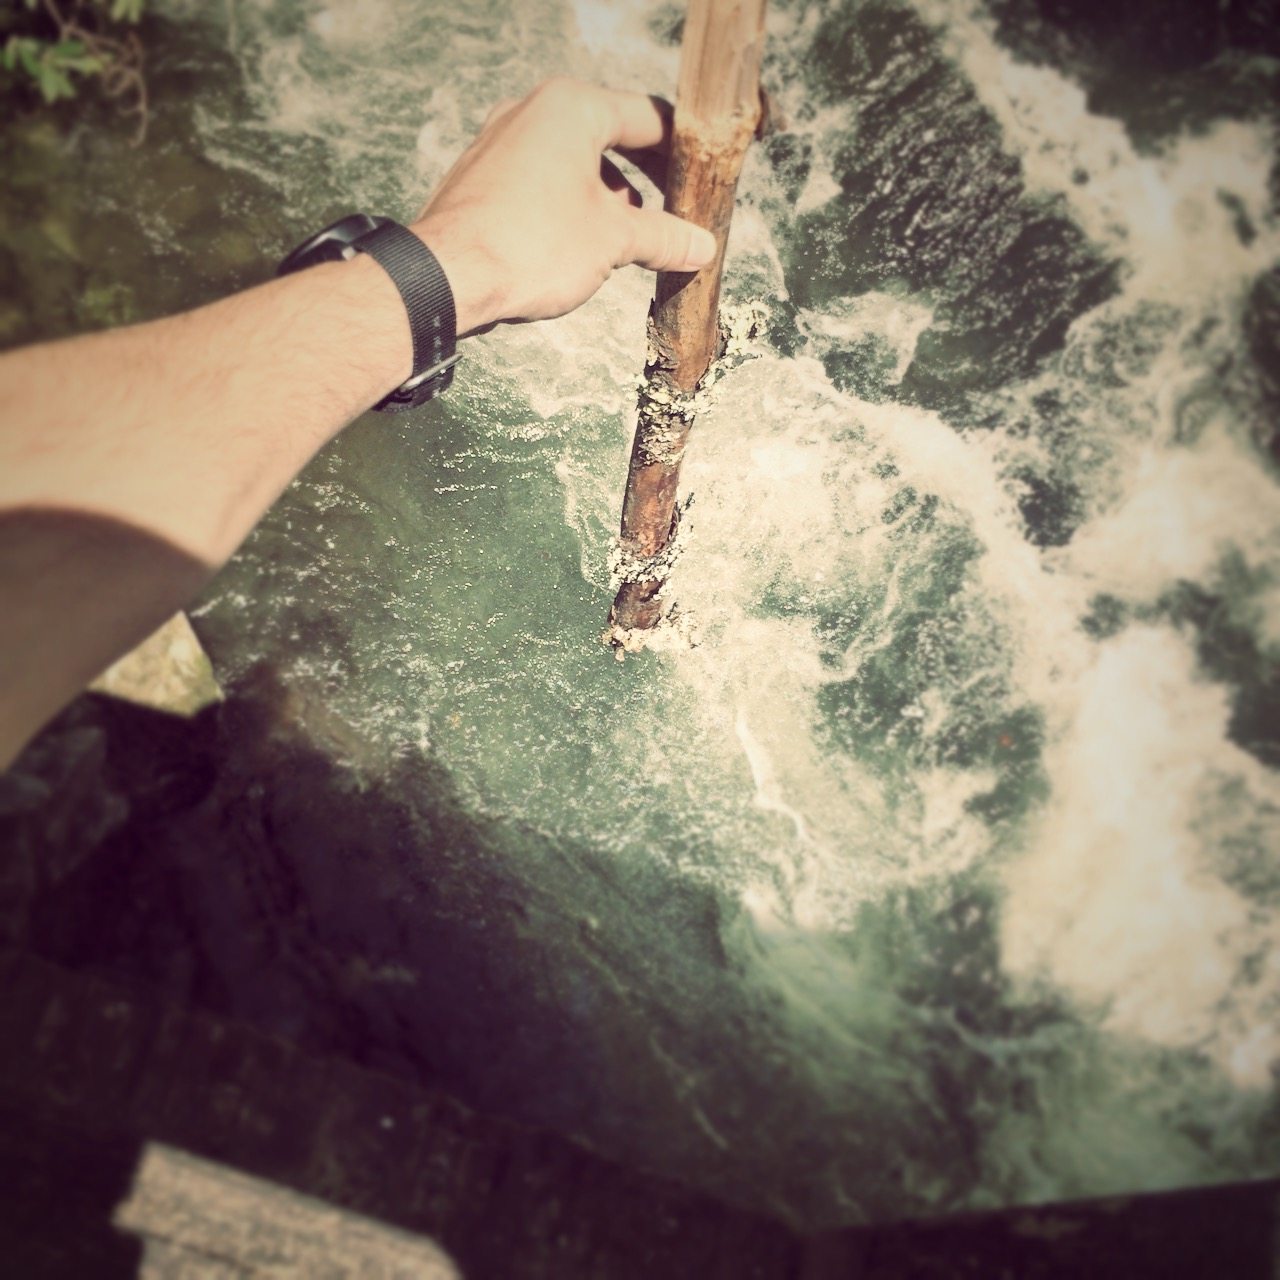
(1185, 509)
(898, 322)
(1160, 211)
(1118, 895)
(1118, 898)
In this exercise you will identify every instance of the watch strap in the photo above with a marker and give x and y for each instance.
(333, 244)
(428, 299)
(423, 287)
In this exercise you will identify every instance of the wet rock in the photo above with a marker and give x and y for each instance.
(54, 811)
(168, 671)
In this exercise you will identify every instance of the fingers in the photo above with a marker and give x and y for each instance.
(615, 117)
(663, 242)
(639, 120)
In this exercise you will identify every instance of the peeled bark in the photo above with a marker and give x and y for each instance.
(716, 112)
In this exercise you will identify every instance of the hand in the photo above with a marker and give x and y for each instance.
(532, 219)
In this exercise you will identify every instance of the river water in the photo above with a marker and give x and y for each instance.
(935, 865)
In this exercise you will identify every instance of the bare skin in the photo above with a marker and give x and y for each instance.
(133, 463)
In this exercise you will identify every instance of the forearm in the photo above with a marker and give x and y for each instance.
(189, 428)
(132, 464)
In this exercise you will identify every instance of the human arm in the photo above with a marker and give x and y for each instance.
(134, 462)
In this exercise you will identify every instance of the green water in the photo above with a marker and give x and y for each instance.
(941, 871)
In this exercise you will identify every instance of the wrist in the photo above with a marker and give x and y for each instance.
(473, 273)
(371, 293)
(424, 289)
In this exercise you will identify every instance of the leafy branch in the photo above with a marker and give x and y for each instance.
(62, 42)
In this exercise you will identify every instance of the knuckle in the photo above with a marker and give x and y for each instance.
(565, 96)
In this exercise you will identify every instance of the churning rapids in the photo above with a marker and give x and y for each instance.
(944, 870)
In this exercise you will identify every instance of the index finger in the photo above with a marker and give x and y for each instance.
(607, 117)
(638, 120)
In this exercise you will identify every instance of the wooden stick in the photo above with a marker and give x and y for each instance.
(717, 109)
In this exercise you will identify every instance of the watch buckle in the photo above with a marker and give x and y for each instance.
(421, 387)
(427, 374)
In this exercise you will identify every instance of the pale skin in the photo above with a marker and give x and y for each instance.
(134, 462)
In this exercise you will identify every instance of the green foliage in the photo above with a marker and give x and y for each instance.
(50, 64)
(52, 47)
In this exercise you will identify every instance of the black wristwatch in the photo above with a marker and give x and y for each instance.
(423, 285)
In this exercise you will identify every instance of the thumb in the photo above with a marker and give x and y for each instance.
(663, 242)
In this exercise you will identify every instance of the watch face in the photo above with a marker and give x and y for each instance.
(330, 245)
